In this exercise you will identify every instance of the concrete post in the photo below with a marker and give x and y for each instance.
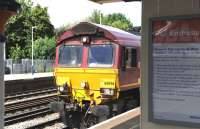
(7, 9)
(1, 78)
(155, 8)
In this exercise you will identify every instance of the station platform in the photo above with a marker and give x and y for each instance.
(10, 77)
(20, 83)
(127, 120)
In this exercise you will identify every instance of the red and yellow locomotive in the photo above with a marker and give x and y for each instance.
(97, 72)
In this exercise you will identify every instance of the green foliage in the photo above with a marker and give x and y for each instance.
(59, 31)
(16, 52)
(18, 29)
(44, 48)
(117, 20)
(95, 17)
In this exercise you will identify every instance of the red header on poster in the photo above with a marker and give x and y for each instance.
(176, 31)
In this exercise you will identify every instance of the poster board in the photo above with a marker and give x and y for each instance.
(174, 73)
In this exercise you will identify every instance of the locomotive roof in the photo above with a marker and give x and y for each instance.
(85, 28)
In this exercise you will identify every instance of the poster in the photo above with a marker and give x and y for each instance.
(175, 70)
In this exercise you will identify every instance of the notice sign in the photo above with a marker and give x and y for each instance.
(175, 70)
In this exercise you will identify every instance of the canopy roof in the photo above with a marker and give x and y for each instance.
(113, 34)
(9, 5)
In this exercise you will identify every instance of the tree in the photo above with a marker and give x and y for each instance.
(117, 20)
(16, 52)
(45, 48)
(59, 31)
(18, 29)
(95, 17)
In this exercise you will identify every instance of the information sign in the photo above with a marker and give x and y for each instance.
(175, 70)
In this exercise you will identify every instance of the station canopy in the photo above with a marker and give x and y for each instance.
(110, 1)
(9, 5)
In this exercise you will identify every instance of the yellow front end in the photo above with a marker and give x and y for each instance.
(96, 85)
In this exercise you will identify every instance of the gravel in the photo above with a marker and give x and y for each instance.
(35, 121)
(56, 126)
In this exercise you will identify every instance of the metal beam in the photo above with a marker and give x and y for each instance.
(9, 5)
(111, 1)
(105, 1)
(131, 0)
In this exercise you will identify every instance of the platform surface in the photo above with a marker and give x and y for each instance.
(127, 120)
(10, 77)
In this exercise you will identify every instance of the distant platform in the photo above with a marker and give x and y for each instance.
(10, 77)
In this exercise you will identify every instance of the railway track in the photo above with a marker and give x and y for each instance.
(46, 121)
(28, 106)
(29, 94)
(28, 99)
(24, 107)
(29, 103)
(26, 115)
(32, 106)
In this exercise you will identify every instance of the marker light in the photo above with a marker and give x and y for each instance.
(85, 39)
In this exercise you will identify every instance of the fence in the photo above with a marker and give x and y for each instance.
(24, 66)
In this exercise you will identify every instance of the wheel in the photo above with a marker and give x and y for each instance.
(131, 104)
(71, 119)
(89, 121)
(66, 119)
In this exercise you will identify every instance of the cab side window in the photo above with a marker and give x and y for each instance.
(133, 57)
(129, 57)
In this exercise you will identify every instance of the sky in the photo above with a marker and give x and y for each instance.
(62, 12)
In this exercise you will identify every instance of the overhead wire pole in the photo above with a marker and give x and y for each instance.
(7, 9)
(32, 54)
(4, 51)
(100, 16)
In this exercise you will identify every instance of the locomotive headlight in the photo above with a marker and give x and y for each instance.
(107, 91)
(83, 84)
(61, 88)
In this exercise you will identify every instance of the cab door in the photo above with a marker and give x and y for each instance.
(129, 70)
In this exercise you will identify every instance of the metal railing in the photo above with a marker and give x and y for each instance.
(22, 66)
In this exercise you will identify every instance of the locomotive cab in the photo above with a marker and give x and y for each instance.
(96, 69)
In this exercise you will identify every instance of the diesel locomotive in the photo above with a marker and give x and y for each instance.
(97, 74)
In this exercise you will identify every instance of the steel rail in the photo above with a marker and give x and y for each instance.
(29, 103)
(30, 94)
(26, 115)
